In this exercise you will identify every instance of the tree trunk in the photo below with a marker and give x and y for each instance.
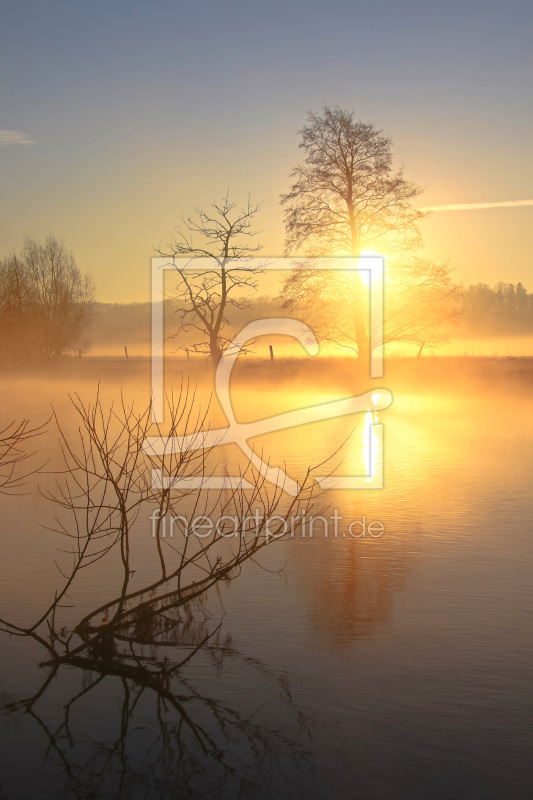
(215, 352)
(361, 335)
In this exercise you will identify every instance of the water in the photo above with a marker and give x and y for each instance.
(394, 666)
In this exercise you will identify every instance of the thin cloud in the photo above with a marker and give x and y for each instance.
(14, 137)
(471, 206)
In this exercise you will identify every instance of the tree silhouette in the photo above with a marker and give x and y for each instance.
(344, 196)
(222, 237)
(46, 303)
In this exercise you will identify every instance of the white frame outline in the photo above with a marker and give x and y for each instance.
(374, 264)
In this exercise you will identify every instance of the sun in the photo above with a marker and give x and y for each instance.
(366, 275)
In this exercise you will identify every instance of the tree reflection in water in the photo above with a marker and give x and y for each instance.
(138, 726)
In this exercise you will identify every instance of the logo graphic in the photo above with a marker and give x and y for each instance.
(240, 434)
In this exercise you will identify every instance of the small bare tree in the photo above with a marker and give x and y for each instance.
(224, 236)
(107, 480)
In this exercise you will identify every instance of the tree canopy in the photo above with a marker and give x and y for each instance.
(225, 236)
(345, 194)
(46, 303)
(346, 199)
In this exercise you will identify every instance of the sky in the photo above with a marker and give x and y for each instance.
(117, 118)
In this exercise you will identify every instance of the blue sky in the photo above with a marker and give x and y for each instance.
(138, 110)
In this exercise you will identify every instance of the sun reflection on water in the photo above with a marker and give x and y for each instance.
(372, 447)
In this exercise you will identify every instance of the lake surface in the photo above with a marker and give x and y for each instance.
(346, 666)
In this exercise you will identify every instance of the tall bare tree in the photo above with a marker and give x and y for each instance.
(224, 235)
(345, 196)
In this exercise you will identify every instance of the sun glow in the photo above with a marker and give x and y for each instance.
(366, 274)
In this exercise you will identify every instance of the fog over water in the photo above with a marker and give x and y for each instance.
(391, 645)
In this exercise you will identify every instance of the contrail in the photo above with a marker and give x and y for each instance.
(470, 206)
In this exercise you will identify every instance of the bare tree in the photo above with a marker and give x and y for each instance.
(107, 480)
(46, 303)
(345, 196)
(421, 302)
(224, 235)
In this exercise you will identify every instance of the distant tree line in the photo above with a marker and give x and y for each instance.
(46, 303)
(504, 308)
(119, 324)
